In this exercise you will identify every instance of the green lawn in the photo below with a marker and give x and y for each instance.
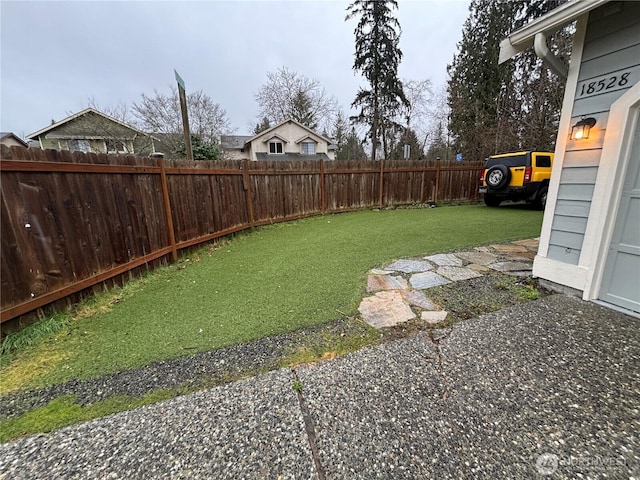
(274, 280)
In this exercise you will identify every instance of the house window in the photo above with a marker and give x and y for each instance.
(116, 146)
(308, 148)
(275, 147)
(79, 146)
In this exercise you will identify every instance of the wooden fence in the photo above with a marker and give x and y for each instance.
(73, 222)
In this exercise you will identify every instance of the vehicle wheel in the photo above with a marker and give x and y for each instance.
(541, 199)
(498, 177)
(491, 201)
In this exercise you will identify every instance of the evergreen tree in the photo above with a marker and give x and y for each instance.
(410, 138)
(339, 133)
(262, 126)
(288, 94)
(481, 92)
(302, 110)
(439, 147)
(540, 90)
(516, 105)
(377, 57)
(202, 149)
(352, 148)
(349, 146)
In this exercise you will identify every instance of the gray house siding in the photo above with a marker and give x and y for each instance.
(610, 65)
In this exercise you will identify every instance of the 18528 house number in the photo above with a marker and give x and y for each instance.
(608, 83)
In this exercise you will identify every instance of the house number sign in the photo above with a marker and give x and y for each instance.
(611, 82)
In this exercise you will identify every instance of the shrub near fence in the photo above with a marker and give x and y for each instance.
(72, 221)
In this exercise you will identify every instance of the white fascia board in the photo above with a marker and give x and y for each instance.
(309, 137)
(268, 138)
(553, 21)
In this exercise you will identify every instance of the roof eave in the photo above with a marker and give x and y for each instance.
(16, 138)
(523, 38)
(35, 135)
(284, 122)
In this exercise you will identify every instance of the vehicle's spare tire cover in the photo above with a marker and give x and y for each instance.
(498, 177)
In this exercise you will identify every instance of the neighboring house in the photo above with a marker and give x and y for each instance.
(289, 140)
(10, 139)
(590, 240)
(93, 131)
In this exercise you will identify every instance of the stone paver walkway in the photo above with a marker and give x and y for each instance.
(399, 289)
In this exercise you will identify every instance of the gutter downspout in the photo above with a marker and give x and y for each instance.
(553, 62)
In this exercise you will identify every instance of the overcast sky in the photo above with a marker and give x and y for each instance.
(57, 55)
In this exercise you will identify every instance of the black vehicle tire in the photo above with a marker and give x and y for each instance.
(491, 201)
(541, 200)
(498, 177)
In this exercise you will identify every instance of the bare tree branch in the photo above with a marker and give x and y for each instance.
(278, 98)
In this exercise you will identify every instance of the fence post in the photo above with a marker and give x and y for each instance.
(381, 182)
(167, 209)
(424, 174)
(437, 186)
(246, 183)
(323, 198)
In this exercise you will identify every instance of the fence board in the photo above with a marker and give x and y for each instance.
(95, 218)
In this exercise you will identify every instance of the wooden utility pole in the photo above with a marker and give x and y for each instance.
(185, 117)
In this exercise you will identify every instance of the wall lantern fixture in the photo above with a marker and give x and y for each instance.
(581, 129)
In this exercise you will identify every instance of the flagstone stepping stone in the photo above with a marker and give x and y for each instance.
(521, 256)
(385, 309)
(418, 299)
(424, 280)
(509, 248)
(434, 317)
(482, 249)
(409, 266)
(532, 243)
(510, 266)
(375, 283)
(479, 268)
(445, 259)
(478, 258)
(458, 273)
(378, 271)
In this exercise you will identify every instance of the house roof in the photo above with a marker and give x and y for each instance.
(553, 21)
(289, 120)
(308, 137)
(273, 135)
(55, 125)
(234, 141)
(4, 135)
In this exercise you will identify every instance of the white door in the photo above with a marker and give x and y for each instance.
(621, 278)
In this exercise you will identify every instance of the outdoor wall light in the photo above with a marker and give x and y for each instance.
(581, 129)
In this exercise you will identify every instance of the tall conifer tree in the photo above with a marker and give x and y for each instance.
(480, 90)
(377, 57)
(516, 105)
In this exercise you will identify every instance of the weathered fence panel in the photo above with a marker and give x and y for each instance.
(352, 185)
(72, 221)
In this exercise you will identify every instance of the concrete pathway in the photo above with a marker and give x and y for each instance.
(546, 389)
(401, 285)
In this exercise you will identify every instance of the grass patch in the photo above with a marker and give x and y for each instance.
(278, 279)
(34, 333)
(65, 411)
(327, 343)
(475, 297)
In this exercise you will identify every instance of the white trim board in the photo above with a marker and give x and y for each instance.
(564, 128)
(558, 272)
(614, 161)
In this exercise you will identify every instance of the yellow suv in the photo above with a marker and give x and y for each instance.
(517, 176)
